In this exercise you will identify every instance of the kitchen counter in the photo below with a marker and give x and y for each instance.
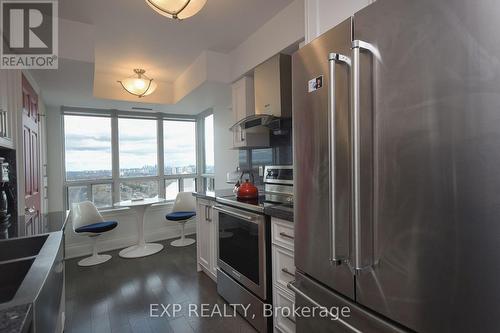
(284, 212)
(39, 287)
(16, 319)
(212, 195)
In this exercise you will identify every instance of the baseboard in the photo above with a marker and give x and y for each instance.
(84, 249)
(207, 272)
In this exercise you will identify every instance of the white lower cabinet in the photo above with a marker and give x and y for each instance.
(206, 238)
(283, 273)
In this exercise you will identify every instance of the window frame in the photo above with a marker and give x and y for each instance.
(116, 179)
(206, 180)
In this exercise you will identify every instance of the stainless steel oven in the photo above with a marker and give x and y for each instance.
(244, 251)
(243, 247)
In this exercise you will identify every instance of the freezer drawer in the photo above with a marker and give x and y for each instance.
(310, 294)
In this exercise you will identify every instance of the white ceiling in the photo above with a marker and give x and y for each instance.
(71, 85)
(128, 34)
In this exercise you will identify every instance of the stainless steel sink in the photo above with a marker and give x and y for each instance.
(32, 272)
(16, 248)
(13, 277)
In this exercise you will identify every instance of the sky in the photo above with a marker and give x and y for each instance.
(88, 143)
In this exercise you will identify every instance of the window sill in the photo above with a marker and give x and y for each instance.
(125, 210)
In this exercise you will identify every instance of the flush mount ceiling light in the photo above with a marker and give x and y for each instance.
(139, 84)
(177, 9)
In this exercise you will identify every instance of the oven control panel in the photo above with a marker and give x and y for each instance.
(278, 174)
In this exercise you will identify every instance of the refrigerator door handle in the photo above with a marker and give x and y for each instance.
(359, 262)
(297, 291)
(334, 59)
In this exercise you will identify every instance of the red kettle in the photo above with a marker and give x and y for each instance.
(247, 190)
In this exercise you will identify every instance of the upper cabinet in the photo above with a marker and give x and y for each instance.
(273, 87)
(8, 107)
(243, 98)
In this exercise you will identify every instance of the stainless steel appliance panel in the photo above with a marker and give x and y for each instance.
(346, 316)
(234, 293)
(317, 235)
(433, 74)
(243, 251)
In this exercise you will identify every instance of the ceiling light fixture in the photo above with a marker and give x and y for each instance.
(139, 84)
(177, 9)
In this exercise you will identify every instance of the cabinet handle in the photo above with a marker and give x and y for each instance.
(208, 218)
(282, 234)
(286, 271)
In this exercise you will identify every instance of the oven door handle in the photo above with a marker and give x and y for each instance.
(235, 214)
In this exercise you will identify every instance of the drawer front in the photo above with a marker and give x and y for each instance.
(283, 266)
(204, 202)
(283, 233)
(284, 303)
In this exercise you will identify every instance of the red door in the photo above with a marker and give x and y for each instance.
(31, 160)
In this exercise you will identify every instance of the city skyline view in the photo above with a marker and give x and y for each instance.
(88, 151)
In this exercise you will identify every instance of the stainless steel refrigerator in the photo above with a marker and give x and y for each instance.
(396, 116)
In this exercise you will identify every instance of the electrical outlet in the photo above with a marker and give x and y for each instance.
(261, 171)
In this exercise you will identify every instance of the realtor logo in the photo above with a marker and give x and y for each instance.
(29, 34)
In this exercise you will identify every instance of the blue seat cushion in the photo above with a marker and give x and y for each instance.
(98, 228)
(180, 216)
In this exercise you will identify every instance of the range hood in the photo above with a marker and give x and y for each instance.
(273, 101)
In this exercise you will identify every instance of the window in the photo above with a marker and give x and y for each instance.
(209, 144)
(77, 194)
(138, 147)
(189, 184)
(171, 188)
(138, 189)
(87, 147)
(179, 146)
(95, 145)
(262, 156)
(102, 195)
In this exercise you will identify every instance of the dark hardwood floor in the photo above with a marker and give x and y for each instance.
(116, 296)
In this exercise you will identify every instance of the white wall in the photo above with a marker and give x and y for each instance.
(55, 160)
(322, 15)
(280, 32)
(226, 159)
(208, 67)
(42, 110)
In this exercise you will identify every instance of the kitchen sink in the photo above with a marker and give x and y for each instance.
(16, 248)
(11, 281)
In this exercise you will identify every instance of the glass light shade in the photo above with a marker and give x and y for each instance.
(139, 85)
(177, 9)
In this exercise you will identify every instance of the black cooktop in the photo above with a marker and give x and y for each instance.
(258, 204)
